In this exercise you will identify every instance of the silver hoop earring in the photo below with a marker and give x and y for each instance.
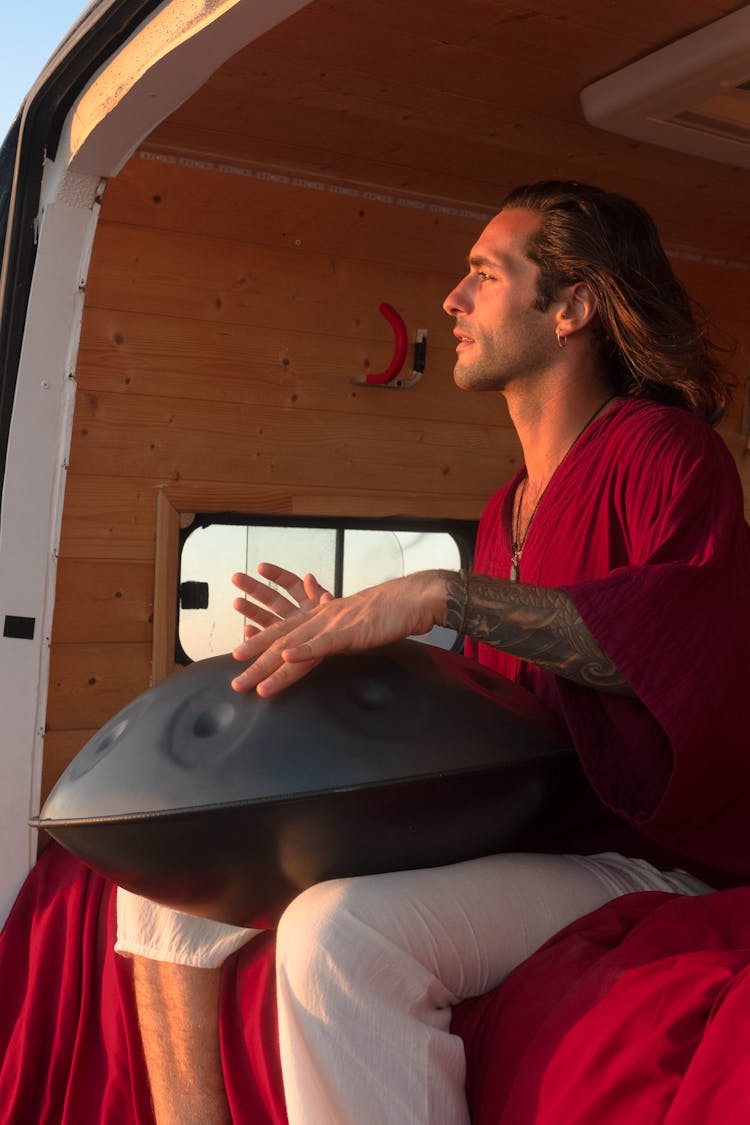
(561, 340)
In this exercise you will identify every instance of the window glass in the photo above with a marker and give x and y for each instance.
(375, 556)
(212, 555)
(343, 559)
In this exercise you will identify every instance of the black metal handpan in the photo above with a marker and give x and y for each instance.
(228, 805)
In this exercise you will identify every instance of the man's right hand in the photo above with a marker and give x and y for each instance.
(291, 646)
(304, 594)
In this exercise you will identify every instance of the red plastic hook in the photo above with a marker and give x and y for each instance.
(399, 351)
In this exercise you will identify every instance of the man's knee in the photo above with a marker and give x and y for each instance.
(319, 924)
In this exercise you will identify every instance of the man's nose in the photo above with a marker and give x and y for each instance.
(457, 300)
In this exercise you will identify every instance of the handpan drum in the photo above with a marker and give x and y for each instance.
(228, 805)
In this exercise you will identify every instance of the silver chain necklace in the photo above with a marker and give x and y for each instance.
(518, 540)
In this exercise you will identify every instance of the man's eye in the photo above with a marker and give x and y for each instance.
(484, 276)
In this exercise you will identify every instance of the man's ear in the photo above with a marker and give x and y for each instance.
(577, 308)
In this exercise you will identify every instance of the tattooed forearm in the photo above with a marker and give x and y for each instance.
(533, 623)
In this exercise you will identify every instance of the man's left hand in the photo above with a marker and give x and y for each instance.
(286, 651)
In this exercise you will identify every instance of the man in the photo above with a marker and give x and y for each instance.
(611, 577)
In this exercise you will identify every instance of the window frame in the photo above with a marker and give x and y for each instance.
(463, 533)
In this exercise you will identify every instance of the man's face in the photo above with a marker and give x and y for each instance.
(501, 336)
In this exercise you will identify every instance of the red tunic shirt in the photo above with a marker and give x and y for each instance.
(642, 525)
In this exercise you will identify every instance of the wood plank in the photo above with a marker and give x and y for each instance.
(176, 439)
(554, 40)
(169, 196)
(289, 82)
(704, 222)
(381, 39)
(184, 359)
(203, 496)
(662, 25)
(103, 600)
(89, 683)
(744, 468)
(79, 541)
(698, 206)
(508, 146)
(197, 276)
(286, 369)
(636, 20)
(502, 109)
(432, 462)
(343, 80)
(723, 292)
(165, 588)
(60, 748)
(208, 279)
(739, 446)
(335, 233)
(108, 518)
(342, 98)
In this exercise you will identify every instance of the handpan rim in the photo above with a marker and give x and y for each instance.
(485, 769)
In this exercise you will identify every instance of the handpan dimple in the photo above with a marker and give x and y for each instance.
(213, 720)
(371, 694)
(227, 804)
(205, 729)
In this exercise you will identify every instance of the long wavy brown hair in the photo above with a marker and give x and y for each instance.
(654, 338)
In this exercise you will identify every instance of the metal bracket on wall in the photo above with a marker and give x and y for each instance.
(389, 377)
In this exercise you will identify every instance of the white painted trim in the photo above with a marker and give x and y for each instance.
(157, 69)
(164, 62)
(31, 509)
(640, 100)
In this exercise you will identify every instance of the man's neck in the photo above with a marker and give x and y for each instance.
(548, 422)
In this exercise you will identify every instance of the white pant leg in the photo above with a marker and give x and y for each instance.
(369, 968)
(148, 929)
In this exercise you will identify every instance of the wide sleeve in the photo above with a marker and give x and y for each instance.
(674, 762)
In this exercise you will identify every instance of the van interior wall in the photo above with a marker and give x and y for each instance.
(225, 316)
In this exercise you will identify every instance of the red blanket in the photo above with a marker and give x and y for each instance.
(638, 1012)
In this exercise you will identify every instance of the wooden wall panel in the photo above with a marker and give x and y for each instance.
(109, 518)
(60, 747)
(168, 196)
(410, 98)
(179, 439)
(225, 316)
(90, 682)
(98, 600)
(128, 353)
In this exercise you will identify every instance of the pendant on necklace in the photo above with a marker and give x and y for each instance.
(514, 566)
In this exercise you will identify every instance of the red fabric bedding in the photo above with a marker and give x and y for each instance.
(638, 1012)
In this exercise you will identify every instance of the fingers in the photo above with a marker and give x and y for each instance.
(266, 642)
(275, 622)
(261, 618)
(306, 593)
(285, 652)
(265, 595)
(288, 581)
(314, 591)
(275, 682)
(293, 645)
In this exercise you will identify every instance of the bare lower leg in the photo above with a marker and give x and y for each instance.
(178, 1013)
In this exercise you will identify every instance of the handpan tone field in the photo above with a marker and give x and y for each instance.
(228, 805)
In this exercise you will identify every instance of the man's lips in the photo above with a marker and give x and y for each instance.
(464, 340)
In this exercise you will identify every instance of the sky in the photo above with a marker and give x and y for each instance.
(32, 30)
